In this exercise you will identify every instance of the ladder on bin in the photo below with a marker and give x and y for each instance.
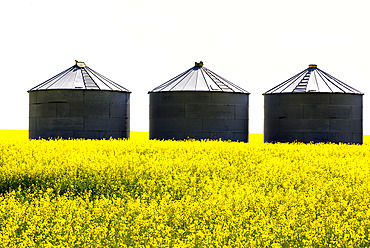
(302, 86)
(88, 81)
(221, 85)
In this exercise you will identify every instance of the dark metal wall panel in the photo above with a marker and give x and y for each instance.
(198, 115)
(33, 123)
(346, 125)
(223, 125)
(185, 97)
(241, 136)
(290, 136)
(60, 124)
(63, 110)
(304, 98)
(223, 111)
(357, 112)
(229, 98)
(316, 137)
(176, 110)
(55, 134)
(52, 96)
(346, 99)
(304, 125)
(106, 96)
(175, 125)
(314, 111)
(272, 100)
(313, 117)
(357, 137)
(32, 111)
(101, 135)
(76, 110)
(86, 114)
(104, 124)
(289, 111)
(43, 110)
(342, 137)
(158, 135)
(201, 136)
(96, 109)
(118, 110)
(33, 98)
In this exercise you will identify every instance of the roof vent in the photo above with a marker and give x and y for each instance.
(80, 64)
(200, 64)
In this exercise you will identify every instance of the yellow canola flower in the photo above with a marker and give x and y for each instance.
(141, 193)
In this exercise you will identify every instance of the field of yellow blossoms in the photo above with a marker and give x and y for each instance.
(141, 193)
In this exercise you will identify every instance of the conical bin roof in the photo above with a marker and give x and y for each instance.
(199, 78)
(313, 79)
(80, 76)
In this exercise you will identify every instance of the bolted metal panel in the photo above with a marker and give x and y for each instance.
(79, 113)
(342, 137)
(101, 135)
(240, 136)
(346, 125)
(313, 117)
(198, 115)
(290, 136)
(178, 124)
(313, 111)
(44, 110)
(63, 109)
(223, 125)
(316, 137)
(304, 125)
(177, 110)
(97, 109)
(358, 136)
(106, 97)
(357, 112)
(55, 134)
(60, 124)
(345, 99)
(304, 98)
(33, 122)
(200, 97)
(59, 96)
(105, 124)
(33, 98)
(289, 111)
(118, 110)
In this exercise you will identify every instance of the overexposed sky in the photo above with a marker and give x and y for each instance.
(141, 44)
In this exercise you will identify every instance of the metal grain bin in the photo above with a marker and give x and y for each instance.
(198, 104)
(79, 103)
(313, 106)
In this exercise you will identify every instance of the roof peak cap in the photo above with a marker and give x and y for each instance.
(80, 64)
(200, 64)
(312, 66)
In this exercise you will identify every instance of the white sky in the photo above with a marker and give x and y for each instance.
(141, 44)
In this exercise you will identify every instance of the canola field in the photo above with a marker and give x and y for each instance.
(141, 193)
